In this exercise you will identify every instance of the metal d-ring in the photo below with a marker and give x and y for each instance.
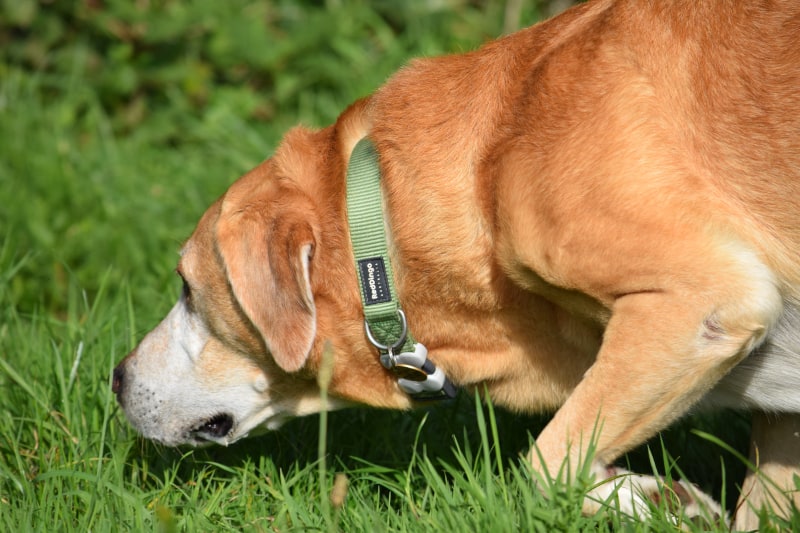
(396, 345)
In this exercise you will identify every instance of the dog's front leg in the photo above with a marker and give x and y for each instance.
(661, 352)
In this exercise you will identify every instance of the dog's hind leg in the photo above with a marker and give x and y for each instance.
(775, 485)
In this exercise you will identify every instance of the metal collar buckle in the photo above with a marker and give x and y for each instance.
(400, 341)
(403, 367)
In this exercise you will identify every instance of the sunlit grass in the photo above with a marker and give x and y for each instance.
(69, 461)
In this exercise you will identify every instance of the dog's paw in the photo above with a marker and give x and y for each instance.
(640, 496)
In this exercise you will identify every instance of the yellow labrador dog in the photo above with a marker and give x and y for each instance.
(598, 215)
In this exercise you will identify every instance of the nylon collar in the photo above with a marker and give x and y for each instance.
(385, 323)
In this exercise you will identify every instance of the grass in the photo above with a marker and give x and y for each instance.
(90, 221)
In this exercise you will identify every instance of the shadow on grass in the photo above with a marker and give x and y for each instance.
(387, 439)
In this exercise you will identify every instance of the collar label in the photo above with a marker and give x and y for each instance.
(373, 281)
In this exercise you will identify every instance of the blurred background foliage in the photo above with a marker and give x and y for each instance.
(121, 120)
(169, 59)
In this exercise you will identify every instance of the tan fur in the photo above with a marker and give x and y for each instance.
(598, 215)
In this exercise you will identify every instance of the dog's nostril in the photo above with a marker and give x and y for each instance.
(219, 426)
(118, 381)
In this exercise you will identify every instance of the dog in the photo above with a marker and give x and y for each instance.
(597, 216)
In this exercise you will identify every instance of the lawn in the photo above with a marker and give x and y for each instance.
(118, 127)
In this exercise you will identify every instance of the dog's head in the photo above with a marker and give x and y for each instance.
(268, 285)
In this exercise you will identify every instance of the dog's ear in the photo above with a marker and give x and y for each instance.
(268, 262)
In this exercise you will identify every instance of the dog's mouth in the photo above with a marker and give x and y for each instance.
(215, 429)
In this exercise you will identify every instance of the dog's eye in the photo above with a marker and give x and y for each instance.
(186, 291)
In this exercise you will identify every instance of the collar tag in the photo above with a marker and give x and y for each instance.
(374, 284)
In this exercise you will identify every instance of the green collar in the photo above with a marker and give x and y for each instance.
(385, 323)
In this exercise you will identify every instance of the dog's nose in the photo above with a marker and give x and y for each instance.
(119, 380)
